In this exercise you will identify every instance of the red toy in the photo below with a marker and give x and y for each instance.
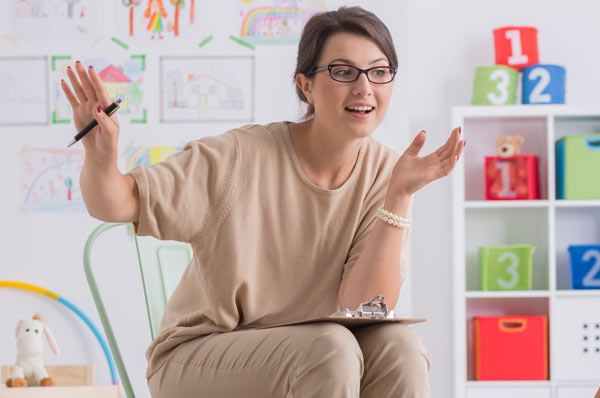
(511, 177)
(516, 46)
(511, 347)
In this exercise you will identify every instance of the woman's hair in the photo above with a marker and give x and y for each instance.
(348, 20)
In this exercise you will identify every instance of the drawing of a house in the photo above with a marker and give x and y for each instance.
(204, 91)
(117, 84)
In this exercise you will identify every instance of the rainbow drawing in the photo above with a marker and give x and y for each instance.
(273, 25)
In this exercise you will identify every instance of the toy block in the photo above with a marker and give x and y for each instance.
(516, 46)
(543, 84)
(495, 85)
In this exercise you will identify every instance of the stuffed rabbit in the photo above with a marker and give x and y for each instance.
(29, 367)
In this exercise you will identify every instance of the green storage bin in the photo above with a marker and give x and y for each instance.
(505, 267)
(577, 167)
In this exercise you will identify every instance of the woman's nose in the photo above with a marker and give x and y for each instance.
(362, 86)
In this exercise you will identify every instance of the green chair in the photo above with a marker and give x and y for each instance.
(161, 264)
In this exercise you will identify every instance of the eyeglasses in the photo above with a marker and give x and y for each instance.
(348, 73)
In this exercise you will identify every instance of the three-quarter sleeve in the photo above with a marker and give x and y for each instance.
(183, 195)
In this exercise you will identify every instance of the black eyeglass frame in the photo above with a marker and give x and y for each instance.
(360, 71)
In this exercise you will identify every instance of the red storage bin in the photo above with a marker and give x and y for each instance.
(512, 177)
(511, 347)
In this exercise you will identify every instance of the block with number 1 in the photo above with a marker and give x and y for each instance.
(505, 267)
(516, 46)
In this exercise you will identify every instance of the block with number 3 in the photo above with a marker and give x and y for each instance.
(495, 85)
(544, 84)
(516, 46)
(505, 267)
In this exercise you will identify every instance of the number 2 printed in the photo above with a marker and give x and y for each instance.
(536, 96)
(592, 278)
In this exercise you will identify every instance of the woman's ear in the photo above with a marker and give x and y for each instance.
(306, 86)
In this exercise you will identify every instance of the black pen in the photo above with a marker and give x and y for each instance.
(109, 110)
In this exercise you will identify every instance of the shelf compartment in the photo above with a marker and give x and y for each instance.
(482, 134)
(499, 307)
(574, 226)
(507, 226)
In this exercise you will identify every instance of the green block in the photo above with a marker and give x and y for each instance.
(505, 267)
(577, 166)
(495, 85)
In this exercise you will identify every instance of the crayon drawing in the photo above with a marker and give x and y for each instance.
(122, 77)
(23, 91)
(49, 179)
(201, 89)
(135, 156)
(51, 20)
(275, 21)
(160, 21)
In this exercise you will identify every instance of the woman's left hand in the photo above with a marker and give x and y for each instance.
(412, 172)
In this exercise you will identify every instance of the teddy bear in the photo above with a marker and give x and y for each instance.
(508, 147)
(29, 367)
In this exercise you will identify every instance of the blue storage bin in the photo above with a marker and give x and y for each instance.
(543, 84)
(585, 266)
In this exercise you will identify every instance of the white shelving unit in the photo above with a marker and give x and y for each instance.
(548, 224)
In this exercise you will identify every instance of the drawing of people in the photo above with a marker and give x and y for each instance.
(155, 12)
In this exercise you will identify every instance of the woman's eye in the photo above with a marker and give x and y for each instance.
(342, 72)
(380, 72)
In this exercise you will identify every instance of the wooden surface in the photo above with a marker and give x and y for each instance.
(64, 375)
(60, 392)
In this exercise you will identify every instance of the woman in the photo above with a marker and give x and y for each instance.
(282, 220)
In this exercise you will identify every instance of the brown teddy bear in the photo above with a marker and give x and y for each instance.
(508, 146)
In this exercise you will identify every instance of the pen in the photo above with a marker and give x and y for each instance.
(109, 110)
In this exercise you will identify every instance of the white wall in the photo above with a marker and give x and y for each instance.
(446, 42)
(45, 249)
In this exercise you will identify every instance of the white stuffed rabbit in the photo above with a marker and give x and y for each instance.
(29, 366)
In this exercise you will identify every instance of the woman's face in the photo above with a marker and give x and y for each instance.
(333, 100)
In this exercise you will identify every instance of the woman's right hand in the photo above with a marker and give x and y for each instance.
(87, 96)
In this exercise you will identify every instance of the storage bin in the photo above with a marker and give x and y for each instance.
(512, 177)
(577, 166)
(505, 267)
(511, 347)
(585, 266)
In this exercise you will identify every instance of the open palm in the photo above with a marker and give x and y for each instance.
(412, 172)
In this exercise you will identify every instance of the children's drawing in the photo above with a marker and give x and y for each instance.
(160, 21)
(23, 91)
(49, 179)
(135, 156)
(276, 21)
(122, 77)
(51, 20)
(200, 89)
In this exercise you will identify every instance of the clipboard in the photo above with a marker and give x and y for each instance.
(370, 312)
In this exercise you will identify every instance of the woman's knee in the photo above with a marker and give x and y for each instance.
(334, 349)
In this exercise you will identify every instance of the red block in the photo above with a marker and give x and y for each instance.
(516, 46)
(511, 347)
(511, 177)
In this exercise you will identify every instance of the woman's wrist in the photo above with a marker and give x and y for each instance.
(397, 203)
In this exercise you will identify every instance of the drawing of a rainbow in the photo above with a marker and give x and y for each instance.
(268, 16)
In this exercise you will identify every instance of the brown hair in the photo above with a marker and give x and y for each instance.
(348, 20)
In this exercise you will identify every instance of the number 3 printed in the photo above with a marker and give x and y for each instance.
(502, 87)
(511, 269)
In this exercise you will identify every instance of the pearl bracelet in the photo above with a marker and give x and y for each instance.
(393, 219)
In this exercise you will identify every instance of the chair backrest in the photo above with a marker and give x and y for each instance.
(162, 264)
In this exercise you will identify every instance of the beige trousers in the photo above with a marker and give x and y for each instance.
(312, 360)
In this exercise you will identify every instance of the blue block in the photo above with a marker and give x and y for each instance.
(585, 266)
(543, 84)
